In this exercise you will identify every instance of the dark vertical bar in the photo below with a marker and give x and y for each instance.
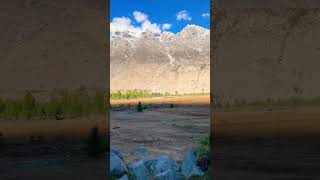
(107, 46)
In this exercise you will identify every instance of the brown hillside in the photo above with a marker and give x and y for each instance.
(48, 44)
(266, 50)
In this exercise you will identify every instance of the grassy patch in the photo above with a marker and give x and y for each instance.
(134, 94)
(59, 104)
(203, 147)
(202, 151)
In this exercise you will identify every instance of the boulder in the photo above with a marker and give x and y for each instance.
(166, 163)
(168, 175)
(116, 152)
(117, 166)
(139, 151)
(150, 164)
(160, 165)
(139, 170)
(189, 165)
(124, 177)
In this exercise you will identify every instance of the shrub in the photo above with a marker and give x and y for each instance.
(95, 145)
(202, 152)
(28, 105)
(12, 109)
(203, 146)
(139, 107)
(60, 104)
(133, 94)
(2, 107)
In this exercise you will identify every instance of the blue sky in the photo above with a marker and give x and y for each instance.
(153, 14)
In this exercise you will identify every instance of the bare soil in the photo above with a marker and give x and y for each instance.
(51, 128)
(50, 149)
(278, 144)
(161, 129)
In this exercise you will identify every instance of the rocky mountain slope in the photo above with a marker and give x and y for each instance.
(166, 62)
(265, 52)
(49, 44)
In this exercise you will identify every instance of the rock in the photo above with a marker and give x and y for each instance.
(124, 177)
(117, 167)
(140, 151)
(160, 165)
(139, 171)
(150, 164)
(168, 175)
(189, 165)
(165, 163)
(116, 152)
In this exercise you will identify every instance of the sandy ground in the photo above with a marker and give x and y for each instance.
(160, 129)
(51, 128)
(285, 122)
(52, 168)
(266, 145)
(59, 155)
(182, 100)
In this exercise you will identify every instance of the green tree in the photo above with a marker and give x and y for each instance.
(28, 104)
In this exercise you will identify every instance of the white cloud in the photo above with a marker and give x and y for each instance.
(139, 16)
(125, 24)
(166, 26)
(152, 27)
(206, 15)
(183, 15)
(122, 24)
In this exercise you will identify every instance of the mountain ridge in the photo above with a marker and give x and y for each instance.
(167, 62)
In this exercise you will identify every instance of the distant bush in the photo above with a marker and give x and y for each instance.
(139, 107)
(133, 94)
(2, 106)
(28, 105)
(60, 104)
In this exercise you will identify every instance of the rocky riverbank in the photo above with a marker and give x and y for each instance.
(158, 168)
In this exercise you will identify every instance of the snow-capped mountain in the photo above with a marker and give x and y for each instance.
(165, 62)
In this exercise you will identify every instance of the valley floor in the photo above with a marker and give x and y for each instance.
(281, 144)
(59, 154)
(161, 129)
